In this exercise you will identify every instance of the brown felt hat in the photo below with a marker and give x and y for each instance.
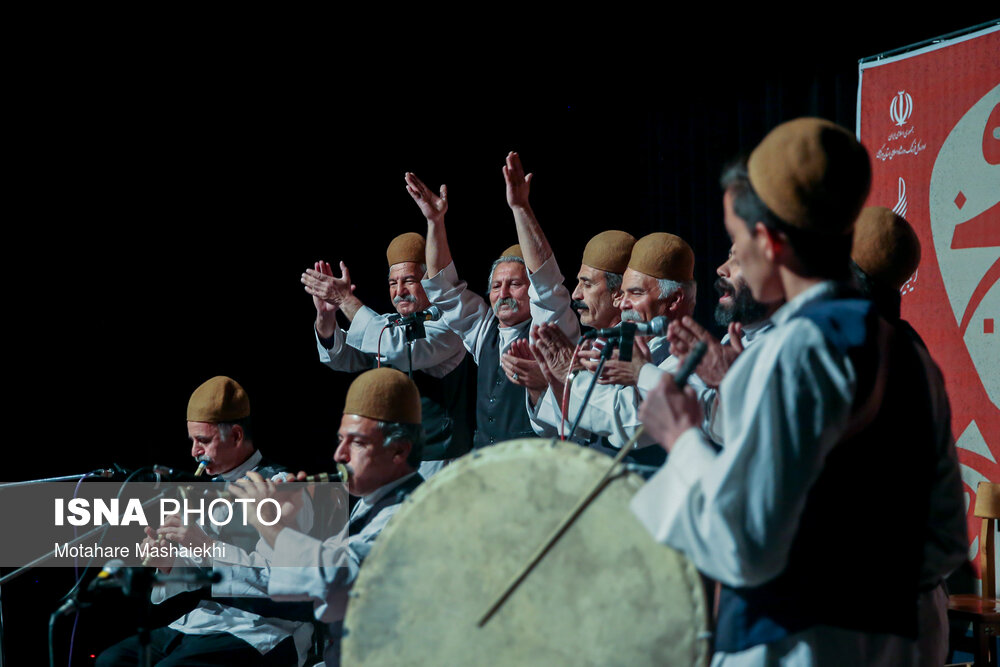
(513, 251)
(384, 394)
(885, 247)
(811, 173)
(663, 255)
(609, 251)
(408, 247)
(218, 400)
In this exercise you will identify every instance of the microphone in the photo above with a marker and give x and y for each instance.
(655, 327)
(110, 575)
(431, 314)
(691, 363)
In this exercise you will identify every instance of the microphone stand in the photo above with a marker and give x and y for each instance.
(413, 331)
(102, 472)
(606, 352)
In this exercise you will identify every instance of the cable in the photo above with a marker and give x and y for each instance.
(564, 407)
(378, 351)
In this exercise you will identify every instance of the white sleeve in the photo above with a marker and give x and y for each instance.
(550, 300)
(438, 354)
(341, 356)
(735, 514)
(322, 571)
(612, 411)
(462, 310)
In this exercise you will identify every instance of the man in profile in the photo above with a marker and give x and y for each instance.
(223, 631)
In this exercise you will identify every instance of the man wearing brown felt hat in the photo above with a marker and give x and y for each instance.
(525, 287)
(224, 630)
(657, 281)
(789, 517)
(440, 367)
(380, 441)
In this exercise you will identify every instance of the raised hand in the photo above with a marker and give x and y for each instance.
(323, 307)
(667, 412)
(518, 184)
(323, 285)
(684, 333)
(432, 206)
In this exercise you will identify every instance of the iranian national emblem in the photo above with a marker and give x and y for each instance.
(901, 107)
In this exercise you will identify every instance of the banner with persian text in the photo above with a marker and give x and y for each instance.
(931, 121)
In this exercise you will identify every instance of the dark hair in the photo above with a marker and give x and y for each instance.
(820, 255)
(887, 300)
(412, 433)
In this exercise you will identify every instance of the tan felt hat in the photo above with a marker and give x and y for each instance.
(384, 394)
(609, 251)
(218, 400)
(513, 251)
(811, 173)
(885, 246)
(408, 247)
(663, 255)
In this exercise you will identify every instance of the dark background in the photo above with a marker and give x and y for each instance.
(164, 206)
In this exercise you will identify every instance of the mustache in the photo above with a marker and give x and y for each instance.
(508, 301)
(409, 298)
(631, 316)
(578, 305)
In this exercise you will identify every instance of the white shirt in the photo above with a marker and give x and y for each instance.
(785, 403)
(355, 350)
(613, 410)
(470, 315)
(210, 617)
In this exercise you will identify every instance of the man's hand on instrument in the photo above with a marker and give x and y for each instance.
(668, 412)
(259, 514)
(684, 333)
(518, 184)
(190, 535)
(162, 563)
(431, 205)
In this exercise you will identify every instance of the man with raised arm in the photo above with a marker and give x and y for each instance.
(440, 366)
(790, 515)
(659, 280)
(525, 287)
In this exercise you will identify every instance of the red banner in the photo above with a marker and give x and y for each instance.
(931, 122)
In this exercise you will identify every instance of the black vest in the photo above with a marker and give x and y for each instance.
(851, 541)
(501, 408)
(447, 412)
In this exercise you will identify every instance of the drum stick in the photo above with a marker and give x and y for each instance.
(683, 373)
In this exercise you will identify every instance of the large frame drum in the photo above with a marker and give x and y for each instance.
(605, 594)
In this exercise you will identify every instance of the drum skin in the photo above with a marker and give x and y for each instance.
(605, 594)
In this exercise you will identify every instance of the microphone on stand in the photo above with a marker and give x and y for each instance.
(655, 327)
(431, 314)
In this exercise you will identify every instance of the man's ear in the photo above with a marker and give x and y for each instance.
(616, 298)
(770, 241)
(675, 302)
(238, 434)
(401, 451)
